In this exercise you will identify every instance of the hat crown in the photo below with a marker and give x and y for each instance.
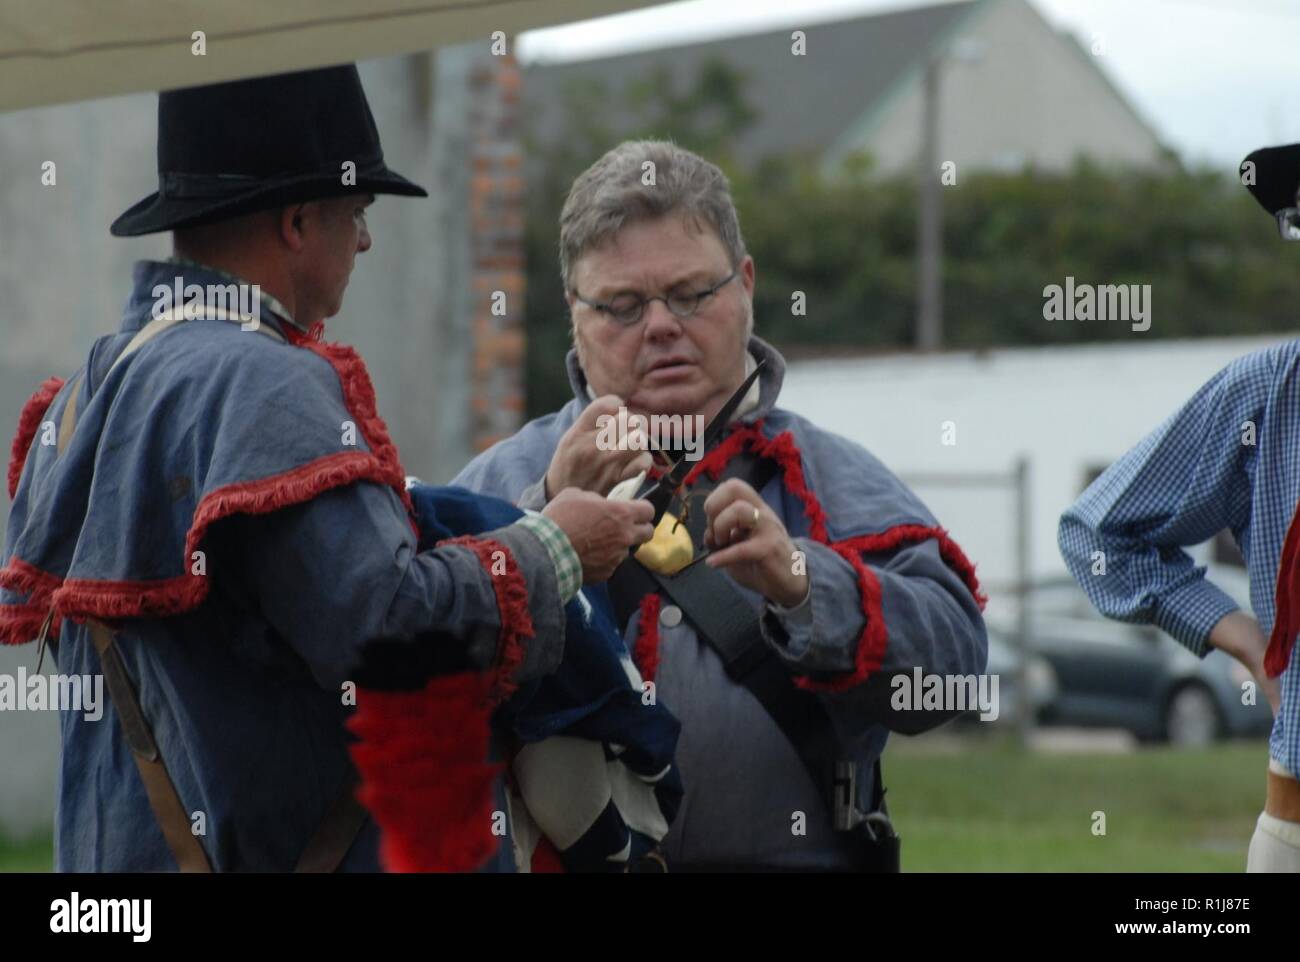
(312, 120)
(229, 149)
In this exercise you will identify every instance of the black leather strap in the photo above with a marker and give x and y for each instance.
(729, 624)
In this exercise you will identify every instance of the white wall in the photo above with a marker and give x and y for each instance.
(1066, 408)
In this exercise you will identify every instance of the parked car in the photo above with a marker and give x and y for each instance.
(1108, 674)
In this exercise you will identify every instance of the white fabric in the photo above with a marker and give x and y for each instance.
(61, 50)
(1275, 846)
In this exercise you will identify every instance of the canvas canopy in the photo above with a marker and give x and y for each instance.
(53, 51)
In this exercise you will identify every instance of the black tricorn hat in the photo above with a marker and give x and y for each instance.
(1276, 176)
(234, 148)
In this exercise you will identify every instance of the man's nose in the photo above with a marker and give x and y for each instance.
(661, 324)
(363, 240)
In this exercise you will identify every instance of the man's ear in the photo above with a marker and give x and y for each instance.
(292, 220)
(746, 271)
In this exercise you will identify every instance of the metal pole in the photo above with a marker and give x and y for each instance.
(1024, 707)
(929, 293)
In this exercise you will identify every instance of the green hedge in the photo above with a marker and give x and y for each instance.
(847, 239)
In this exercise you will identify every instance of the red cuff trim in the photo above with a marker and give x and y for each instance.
(28, 421)
(870, 652)
(646, 650)
(422, 758)
(511, 589)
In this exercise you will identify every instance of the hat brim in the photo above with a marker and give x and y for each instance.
(156, 213)
(1276, 176)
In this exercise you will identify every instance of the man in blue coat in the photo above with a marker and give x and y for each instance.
(211, 512)
(830, 587)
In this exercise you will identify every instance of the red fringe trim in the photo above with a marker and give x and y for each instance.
(121, 599)
(874, 640)
(646, 650)
(359, 397)
(28, 421)
(20, 624)
(949, 550)
(512, 603)
(82, 598)
(20, 576)
(422, 758)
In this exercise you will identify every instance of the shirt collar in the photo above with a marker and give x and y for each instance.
(270, 304)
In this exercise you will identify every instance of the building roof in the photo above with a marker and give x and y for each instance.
(805, 105)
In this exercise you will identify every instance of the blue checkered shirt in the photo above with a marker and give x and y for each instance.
(1229, 458)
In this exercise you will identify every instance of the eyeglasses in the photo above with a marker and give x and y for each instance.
(626, 309)
(1288, 223)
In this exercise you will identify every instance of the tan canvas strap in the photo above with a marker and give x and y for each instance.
(69, 420)
(336, 831)
(169, 320)
(163, 799)
(143, 336)
(324, 852)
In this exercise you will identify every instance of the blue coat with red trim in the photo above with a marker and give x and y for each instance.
(890, 592)
(234, 506)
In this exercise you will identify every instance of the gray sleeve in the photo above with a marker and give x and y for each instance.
(332, 573)
(931, 621)
(545, 606)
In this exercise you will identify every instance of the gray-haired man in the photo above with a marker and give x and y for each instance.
(828, 577)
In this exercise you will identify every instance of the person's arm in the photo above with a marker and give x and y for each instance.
(865, 608)
(1239, 635)
(1190, 478)
(334, 572)
(922, 615)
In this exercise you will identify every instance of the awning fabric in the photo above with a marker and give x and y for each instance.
(53, 51)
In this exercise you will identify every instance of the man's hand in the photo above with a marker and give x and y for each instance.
(1239, 635)
(752, 544)
(602, 532)
(579, 463)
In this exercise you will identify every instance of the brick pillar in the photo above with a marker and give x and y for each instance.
(496, 205)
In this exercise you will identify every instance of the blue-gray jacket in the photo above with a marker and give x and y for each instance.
(235, 503)
(890, 592)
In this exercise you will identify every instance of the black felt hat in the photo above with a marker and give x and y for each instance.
(1276, 176)
(235, 148)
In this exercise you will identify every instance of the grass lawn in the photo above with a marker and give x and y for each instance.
(977, 804)
(33, 854)
(980, 805)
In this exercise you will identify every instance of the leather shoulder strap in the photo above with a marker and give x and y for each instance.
(170, 319)
(726, 621)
